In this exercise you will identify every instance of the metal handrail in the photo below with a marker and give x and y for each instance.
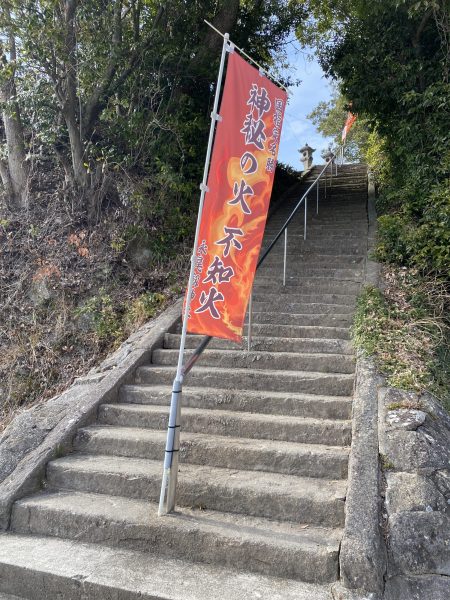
(204, 343)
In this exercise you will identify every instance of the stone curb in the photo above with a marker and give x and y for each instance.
(46, 431)
(362, 556)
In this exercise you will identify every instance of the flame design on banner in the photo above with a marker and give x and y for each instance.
(236, 203)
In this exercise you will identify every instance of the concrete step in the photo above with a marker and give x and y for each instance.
(317, 227)
(321, 246)
(302, 285)
(270, 403)
(334, 233)
(229, 423)
(290, 550)
(326, 209)
(324, 220)
(299, 331)
(316, 230)
(318, 248)
(295, 331)
(304, 460)
(265, 344)
(316, 224)
(271, 496)
(298, 243)
(349, 185)
(284, 297)
(330, 384)
(306, 320)
(305, 308)
(283, 361)
(344, 261)
(32, 567)
(294, 270)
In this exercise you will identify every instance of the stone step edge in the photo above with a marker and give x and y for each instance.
(274, 394)
(256, 372)
(293, 550)
(269, 496)
(102, 571)
(258, 426)
(269, 403)
(157, 408)
(158, 436)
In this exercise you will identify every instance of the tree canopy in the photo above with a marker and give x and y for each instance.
(392, 59)
(121, 85)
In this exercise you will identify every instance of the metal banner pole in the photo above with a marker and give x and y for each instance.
(170, 472)
(285, 257)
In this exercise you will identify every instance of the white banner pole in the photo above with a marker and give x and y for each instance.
(170, 472)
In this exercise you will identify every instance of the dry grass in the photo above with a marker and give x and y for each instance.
(406, 327)
(92, 297)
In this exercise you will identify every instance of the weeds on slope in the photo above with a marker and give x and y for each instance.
(406, 327)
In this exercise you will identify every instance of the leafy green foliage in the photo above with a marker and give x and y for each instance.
(392, 60)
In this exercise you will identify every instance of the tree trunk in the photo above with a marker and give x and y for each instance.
(70, 103)
(17, 172)
(6, 180)
(80, 174)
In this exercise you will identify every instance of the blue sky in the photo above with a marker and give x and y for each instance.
(297, 129)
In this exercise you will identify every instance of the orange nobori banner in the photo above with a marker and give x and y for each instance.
(237, 200)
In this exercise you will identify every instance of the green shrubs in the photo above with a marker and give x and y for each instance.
(425, 243)
(103, 317)
(112, 321)
(144, 307)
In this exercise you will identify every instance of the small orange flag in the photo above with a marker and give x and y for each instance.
(351, 118)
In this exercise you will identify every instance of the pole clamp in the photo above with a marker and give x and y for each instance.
(230, 47)
(216, 117)
(261, 72)
(204, 187)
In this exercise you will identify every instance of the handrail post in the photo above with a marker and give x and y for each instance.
(249, 328)
(304, 226)
(317, 204)
(285, 257)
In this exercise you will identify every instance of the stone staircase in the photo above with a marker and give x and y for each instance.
(264, 447)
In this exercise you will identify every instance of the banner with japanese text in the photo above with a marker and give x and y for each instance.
(237, 200)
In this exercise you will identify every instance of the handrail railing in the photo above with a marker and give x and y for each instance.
(204, 343)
